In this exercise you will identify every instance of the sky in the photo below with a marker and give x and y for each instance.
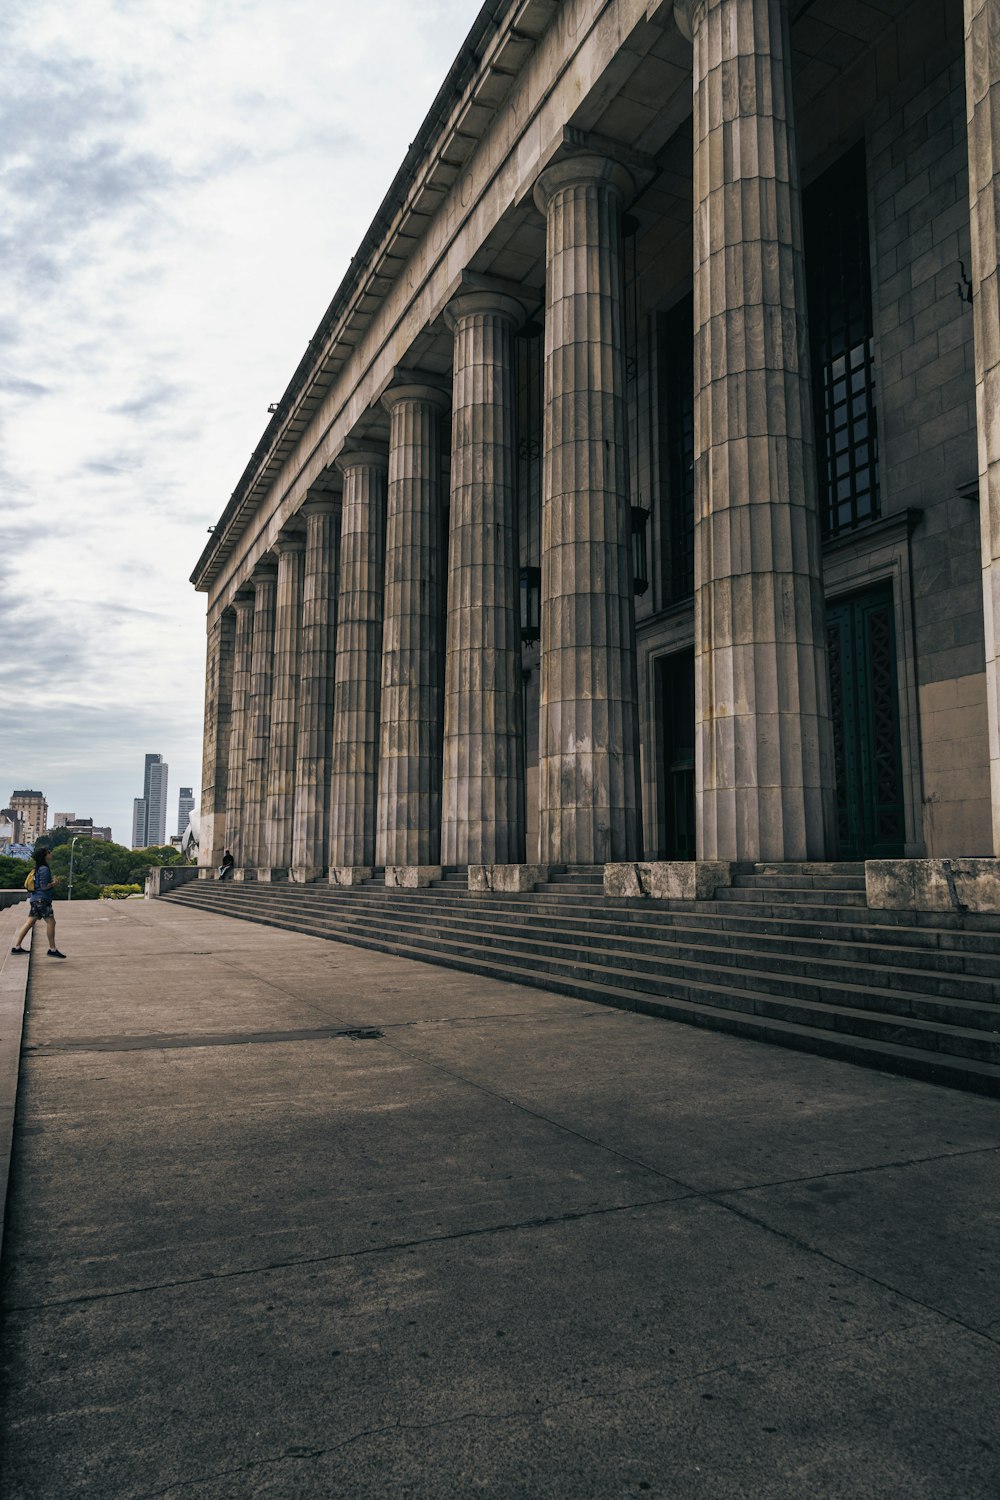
(182, 186)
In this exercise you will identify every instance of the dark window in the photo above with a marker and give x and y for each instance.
(675, 360)
(674, 707)
(835, 214)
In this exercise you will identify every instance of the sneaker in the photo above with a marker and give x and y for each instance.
(19, 950)
(54, 953)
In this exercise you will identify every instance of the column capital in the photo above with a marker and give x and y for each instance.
(480, 300)
(320, 505)
(410, 387)
(689, 15)
(243, 599)
(266, 571)
(362, 456)
(580, 171)
(289, 542)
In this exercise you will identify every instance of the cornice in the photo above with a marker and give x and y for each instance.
(500, 42)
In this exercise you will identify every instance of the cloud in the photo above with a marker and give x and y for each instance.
(15, 387)
(182, 186)
(153, 398)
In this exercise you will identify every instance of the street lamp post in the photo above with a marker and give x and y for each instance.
(72, 852)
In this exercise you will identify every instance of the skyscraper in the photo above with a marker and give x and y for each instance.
(185, 803)
(138, 822)
(149, 816)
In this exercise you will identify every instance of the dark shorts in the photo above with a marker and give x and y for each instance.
(40, 906)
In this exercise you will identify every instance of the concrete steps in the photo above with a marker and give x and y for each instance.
(789, 954)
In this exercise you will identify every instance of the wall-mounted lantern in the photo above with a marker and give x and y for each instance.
(640, 563)
(531, 598)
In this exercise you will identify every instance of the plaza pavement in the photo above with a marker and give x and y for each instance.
(293, 1219)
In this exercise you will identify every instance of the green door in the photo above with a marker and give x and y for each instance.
(675, 713)
(864, 702)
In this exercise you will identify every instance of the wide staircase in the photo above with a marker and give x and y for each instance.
(789, 954)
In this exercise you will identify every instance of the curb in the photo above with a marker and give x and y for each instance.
(13, 997)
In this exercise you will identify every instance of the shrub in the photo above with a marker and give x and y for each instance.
(119, 892)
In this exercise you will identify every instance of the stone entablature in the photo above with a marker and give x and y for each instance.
(397, 286)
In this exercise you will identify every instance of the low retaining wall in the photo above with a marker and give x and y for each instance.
(12, 898)
(668, 880)
(14, 970)
(507, 879)
(167, 877)
(933, 884)
(411, 877)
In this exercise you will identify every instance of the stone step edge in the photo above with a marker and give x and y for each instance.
(707, 923)
(749, 924)
(555, 941)
(828, 912)
(934, 1067)
(978, 924)
(425, 945)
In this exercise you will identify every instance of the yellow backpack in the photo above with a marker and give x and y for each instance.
(29, 881)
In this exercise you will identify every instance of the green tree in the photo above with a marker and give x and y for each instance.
(96, 863)
(12, 872)
(52, 838)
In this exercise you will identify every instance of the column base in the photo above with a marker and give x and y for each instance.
(349, 874)
(411, 877)
(668, 880)
(245, 872)
(305, 874)
(273, 875)
(506, 879)
(957, 885)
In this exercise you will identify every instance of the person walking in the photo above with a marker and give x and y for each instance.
(40, 906)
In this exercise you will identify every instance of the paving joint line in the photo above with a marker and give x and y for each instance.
(717, 1199)
(390, 1247)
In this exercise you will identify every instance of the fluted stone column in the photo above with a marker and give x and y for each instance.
(277, 845)
(483, 781)
(311, 818)
(265, 581)
(239, 724)
(763, 755)
(588, 791)
(409, 781)
(982, 89)
(358, 664)
(215, 745)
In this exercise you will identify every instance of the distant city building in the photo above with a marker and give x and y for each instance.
(61, 819)
(85, 827)
(185, 803)
(155, 793)
(33, 810)
(10, 826)
(149, 817)
(139, 823)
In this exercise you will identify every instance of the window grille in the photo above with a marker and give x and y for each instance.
(838, 277)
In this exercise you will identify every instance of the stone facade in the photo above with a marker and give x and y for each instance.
(679, 331)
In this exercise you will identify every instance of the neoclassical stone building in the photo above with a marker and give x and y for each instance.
(639, 493)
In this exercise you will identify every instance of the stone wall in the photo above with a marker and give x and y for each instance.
(918, 176)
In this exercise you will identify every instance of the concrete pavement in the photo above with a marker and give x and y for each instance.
(292, 1219)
